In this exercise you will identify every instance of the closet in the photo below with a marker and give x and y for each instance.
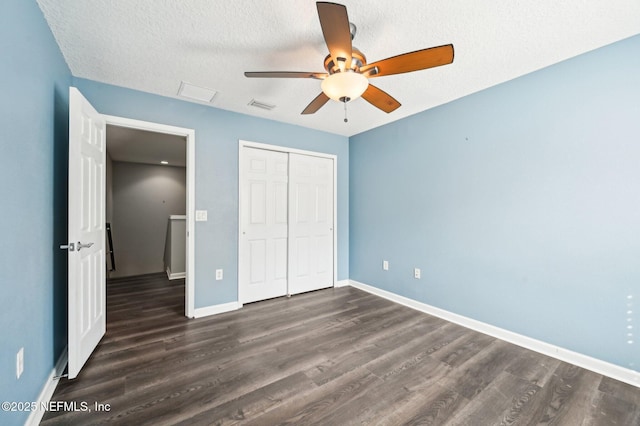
(286, 228)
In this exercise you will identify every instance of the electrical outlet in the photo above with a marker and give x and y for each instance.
(19, 363)
(416, 273)
(218, 274)
(385, 265)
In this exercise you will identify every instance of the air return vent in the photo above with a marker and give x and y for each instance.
(196, 93)
(262, 105)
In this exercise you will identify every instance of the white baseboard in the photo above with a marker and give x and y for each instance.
(342, 283)
(176, 275)
(596, 365)
(48, 389)
(216, 309)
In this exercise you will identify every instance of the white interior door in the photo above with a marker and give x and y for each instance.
(310, 223)
(87, 287)
(263, 224)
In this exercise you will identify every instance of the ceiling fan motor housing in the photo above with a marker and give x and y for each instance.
(357, 60)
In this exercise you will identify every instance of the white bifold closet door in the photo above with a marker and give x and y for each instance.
(264, 230)
(286, 224)
(310, 223)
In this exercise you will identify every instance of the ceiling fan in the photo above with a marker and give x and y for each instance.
(348, 73)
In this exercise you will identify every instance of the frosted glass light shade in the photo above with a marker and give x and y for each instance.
(344, 84)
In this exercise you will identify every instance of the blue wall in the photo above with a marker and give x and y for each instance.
(520, 203)
(33, 175)
(217, 135)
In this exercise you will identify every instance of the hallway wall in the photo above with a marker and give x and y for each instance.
(144, 196)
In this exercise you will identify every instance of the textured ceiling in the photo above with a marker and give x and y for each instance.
(153, 45)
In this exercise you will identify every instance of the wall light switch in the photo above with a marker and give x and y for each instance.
(385, 265)
(201, 215)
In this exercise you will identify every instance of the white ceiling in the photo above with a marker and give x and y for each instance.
(141, 146)
(153, 45)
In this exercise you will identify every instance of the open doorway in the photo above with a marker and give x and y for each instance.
(146, 201)
(87, 232)
(149, 194)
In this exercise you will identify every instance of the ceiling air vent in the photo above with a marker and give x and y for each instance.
(196, 93)
(262, 105)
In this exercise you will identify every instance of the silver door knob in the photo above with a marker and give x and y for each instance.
(80, 246)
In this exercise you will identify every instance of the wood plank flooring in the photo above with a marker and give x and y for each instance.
(330, 357)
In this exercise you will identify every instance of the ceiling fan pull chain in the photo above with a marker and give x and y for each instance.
(345, 112)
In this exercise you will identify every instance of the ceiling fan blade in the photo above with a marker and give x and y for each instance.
(335, 28)
(285, 74)
(380, 99)
(413, 61)
(316, 104)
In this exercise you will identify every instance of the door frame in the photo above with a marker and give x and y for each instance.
(288, 150)
(190, 136)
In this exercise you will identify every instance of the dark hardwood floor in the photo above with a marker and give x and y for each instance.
(331, 357)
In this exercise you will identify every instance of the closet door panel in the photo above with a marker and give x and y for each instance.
(310, 223)
(263, 225)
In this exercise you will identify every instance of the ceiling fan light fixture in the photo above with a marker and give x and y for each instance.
(348, 72)
(341, 85)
